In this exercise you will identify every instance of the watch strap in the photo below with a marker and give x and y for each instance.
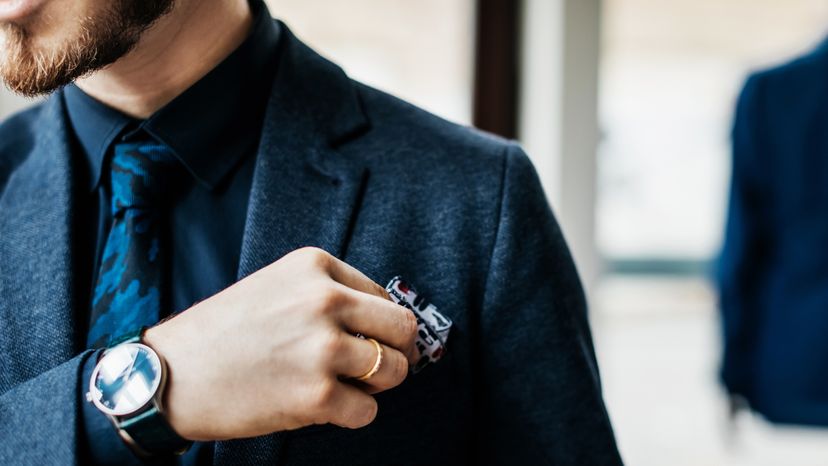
(133, 336)
(151, 432)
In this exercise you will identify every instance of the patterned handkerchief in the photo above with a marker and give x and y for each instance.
(432, 327)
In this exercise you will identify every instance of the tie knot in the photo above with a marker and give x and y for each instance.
(141, 174)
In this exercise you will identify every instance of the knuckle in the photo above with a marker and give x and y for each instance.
(409, 325)
(323, 396)
(330, 299)
(332, 345)
(370, 412)
(329, 345)
(316, 258)
(380, 291)
(298, 254)
(357, 418)
(399, 368)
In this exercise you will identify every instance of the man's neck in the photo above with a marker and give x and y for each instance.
(172, 55)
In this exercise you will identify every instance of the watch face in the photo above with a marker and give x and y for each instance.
(125, 379)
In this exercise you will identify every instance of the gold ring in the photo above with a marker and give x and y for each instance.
(377, 363)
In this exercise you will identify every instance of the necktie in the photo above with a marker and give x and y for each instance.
(129, 290)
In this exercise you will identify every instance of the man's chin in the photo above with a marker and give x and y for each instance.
(28, 72)
(45, 60)
(30, 88)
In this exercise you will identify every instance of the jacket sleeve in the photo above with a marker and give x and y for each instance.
(45, 421)
(741, 263)
(541, 396)
(100, 443)
(39, 418)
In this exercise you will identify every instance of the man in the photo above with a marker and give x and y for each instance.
(773, 277)
(198, 146)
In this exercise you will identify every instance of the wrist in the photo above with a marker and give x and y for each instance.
(174, 406)
(128, 385)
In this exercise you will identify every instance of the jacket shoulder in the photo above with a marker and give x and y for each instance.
(787, 97)
(17, 137)
(802, 75)
(419, 156)
(422, 163)
(411, 135)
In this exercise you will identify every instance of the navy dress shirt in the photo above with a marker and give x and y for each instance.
(214, 128)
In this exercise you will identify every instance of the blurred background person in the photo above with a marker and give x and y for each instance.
(773, 275)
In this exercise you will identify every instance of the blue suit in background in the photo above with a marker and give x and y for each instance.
(773, 274)
(391, 190)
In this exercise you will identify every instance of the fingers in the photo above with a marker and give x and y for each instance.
(354, 279)
(392, 372)
(348, 406)
(362, 306)
(360, 355)
(377, 318)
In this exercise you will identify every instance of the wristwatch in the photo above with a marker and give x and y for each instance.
(127, 386)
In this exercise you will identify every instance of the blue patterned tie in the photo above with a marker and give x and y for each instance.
(128, 294)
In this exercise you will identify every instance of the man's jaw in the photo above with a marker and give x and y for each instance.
(15, 11)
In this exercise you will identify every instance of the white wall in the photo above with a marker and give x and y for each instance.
(9, 103)
(558, 122)
(421, 51)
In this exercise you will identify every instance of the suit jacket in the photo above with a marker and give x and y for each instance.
(391, 190)
(774, 266)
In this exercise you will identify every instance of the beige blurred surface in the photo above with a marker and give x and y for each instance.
(419, 50)
(670, 73)
(658, 348)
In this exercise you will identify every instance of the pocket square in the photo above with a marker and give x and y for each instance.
(432, 327)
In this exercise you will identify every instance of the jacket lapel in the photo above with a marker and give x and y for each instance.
(35, 264)
(304, 192)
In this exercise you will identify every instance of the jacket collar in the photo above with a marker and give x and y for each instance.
(210, 127)
(304, 191)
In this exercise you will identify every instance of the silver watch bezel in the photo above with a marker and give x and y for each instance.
(157, 384)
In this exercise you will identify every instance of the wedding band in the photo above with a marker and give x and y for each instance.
(377, 363)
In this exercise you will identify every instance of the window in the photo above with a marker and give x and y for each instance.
(670, 74)
(420, 51)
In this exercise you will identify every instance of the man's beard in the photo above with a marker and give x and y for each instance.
(101, 39)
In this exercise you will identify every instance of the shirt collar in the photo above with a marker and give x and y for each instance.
(210, 127)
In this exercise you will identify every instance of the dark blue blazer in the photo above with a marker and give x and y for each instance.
(774, 267)
(390, 189)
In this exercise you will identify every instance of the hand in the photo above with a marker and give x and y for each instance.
(277, 351)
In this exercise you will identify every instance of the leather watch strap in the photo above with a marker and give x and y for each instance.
(150, 430)
(134, 336)
(152, 433)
